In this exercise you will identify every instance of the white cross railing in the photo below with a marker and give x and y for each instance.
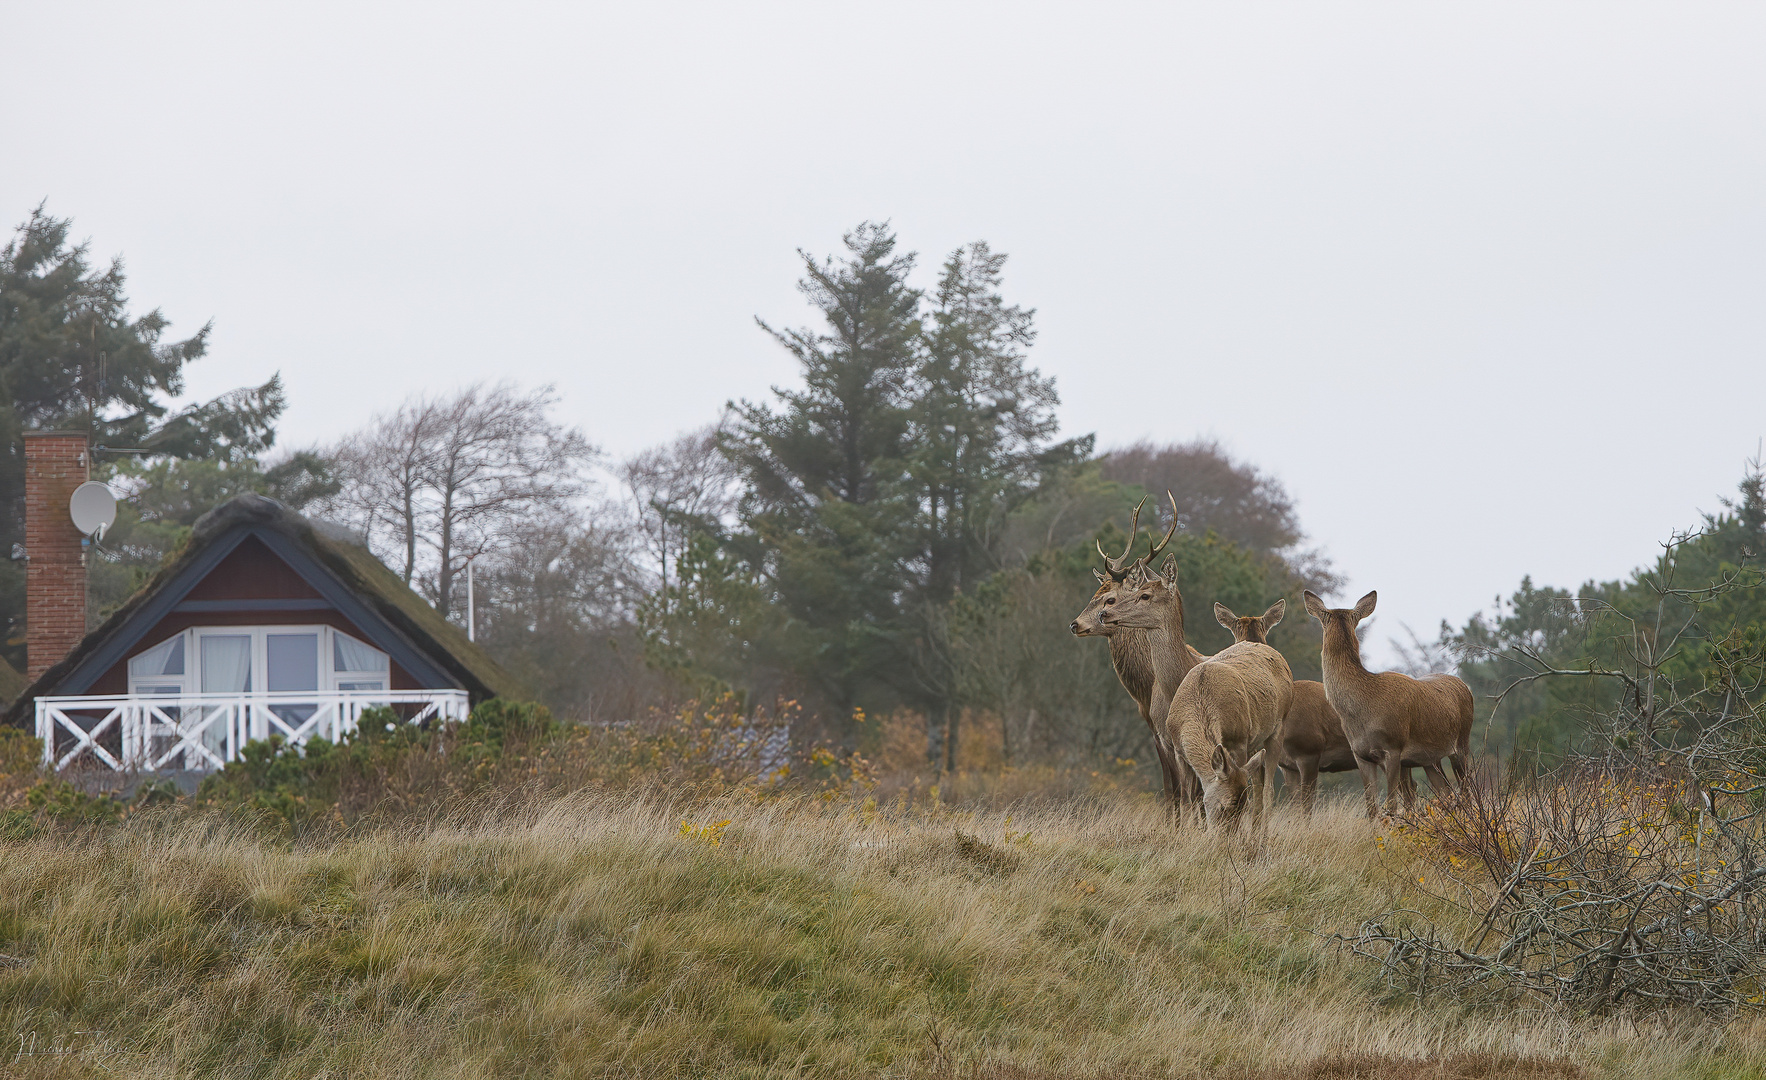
(148, 731)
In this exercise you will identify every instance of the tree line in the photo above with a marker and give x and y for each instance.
(1548, 665)
(903, 528)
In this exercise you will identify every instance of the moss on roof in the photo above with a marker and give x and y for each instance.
(12, 684)
(383, 590)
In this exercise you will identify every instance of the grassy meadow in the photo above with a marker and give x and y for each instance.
(635, 937)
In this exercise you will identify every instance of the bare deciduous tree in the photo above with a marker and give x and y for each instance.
(1212, 491)
(382, 471)
(447, 480)
(674, 489)
(1234, 498)
(1014, 657)
(556, 608)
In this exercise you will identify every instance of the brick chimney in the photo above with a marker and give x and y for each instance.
(55, 569)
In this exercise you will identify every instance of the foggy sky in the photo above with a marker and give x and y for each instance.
(1484, 286)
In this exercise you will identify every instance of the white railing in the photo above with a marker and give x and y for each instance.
(146, 733)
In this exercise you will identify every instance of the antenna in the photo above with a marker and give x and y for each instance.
(93, 508)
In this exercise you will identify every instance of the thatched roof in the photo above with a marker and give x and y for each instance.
(332, 559)
(12, 684)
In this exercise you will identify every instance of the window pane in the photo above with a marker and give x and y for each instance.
(292, 661)
(362, 684)
(348, 654)
(166, 658)
(226, 663)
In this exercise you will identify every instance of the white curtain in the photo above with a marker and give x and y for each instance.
(226, 663)
(166, 658)
(348, 654)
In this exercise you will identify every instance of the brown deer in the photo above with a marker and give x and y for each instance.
(1392, 720)
(1131, 654)
(1311, 739)
(1227, 708)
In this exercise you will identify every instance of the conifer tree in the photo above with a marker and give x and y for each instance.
(824, 514)
(71, 355)
(981, 425)
(875, 493)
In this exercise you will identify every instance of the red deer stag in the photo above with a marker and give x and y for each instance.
(1393, 721)
(1227, 708)
(1311, 739)
(1131, 654)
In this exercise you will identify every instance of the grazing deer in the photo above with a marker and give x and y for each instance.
(1227, 708)
(1311, 739)
(1392, 720)
(1131, 654)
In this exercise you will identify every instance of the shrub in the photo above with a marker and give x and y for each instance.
(1593, 889)
(21, 756)
(385, 766)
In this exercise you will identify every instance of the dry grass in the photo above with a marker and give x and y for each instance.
(592, 937)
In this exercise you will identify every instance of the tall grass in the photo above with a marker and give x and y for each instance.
(601, 936)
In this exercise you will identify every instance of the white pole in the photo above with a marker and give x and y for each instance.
(471, 610)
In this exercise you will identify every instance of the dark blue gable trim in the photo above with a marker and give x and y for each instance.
(380, 633)
(377, 630)
(106, 656)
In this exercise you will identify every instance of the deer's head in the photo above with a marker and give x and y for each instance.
(1119, 578)
(1151, 604)
(1227, 789)
(1248, 627)
(1339, 623)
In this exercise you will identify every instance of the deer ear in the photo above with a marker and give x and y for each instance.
(1365, 606)
(1255, 763)
(1225, 617)
(1103, 578)
(1274, 615)
(1168, 571)
(1218, 761)
(1314, 606)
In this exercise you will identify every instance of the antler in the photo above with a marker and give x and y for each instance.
(1119, 568)
(1169, 533)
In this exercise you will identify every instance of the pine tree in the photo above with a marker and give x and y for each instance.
(874, 494)
(825, 514)
(72, 356)
(981, 429)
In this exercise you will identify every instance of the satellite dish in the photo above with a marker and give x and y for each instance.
(93, 508)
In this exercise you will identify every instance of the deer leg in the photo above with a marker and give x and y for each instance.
(1270, 768)
(1399, 784)
(1163, 753)
(1437, 780)
(1167, 773)
(1458, 760)
(1290, 777)
(1370, 785)
(1190, 790)
(1167, 782)
(1308, 783)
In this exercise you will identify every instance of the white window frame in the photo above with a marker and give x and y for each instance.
(191, 681)
(155, 685)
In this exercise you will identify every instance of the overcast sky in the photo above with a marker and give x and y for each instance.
(1484, 285)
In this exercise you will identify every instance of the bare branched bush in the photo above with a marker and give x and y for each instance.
(1599, 889)
(1630, 876)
